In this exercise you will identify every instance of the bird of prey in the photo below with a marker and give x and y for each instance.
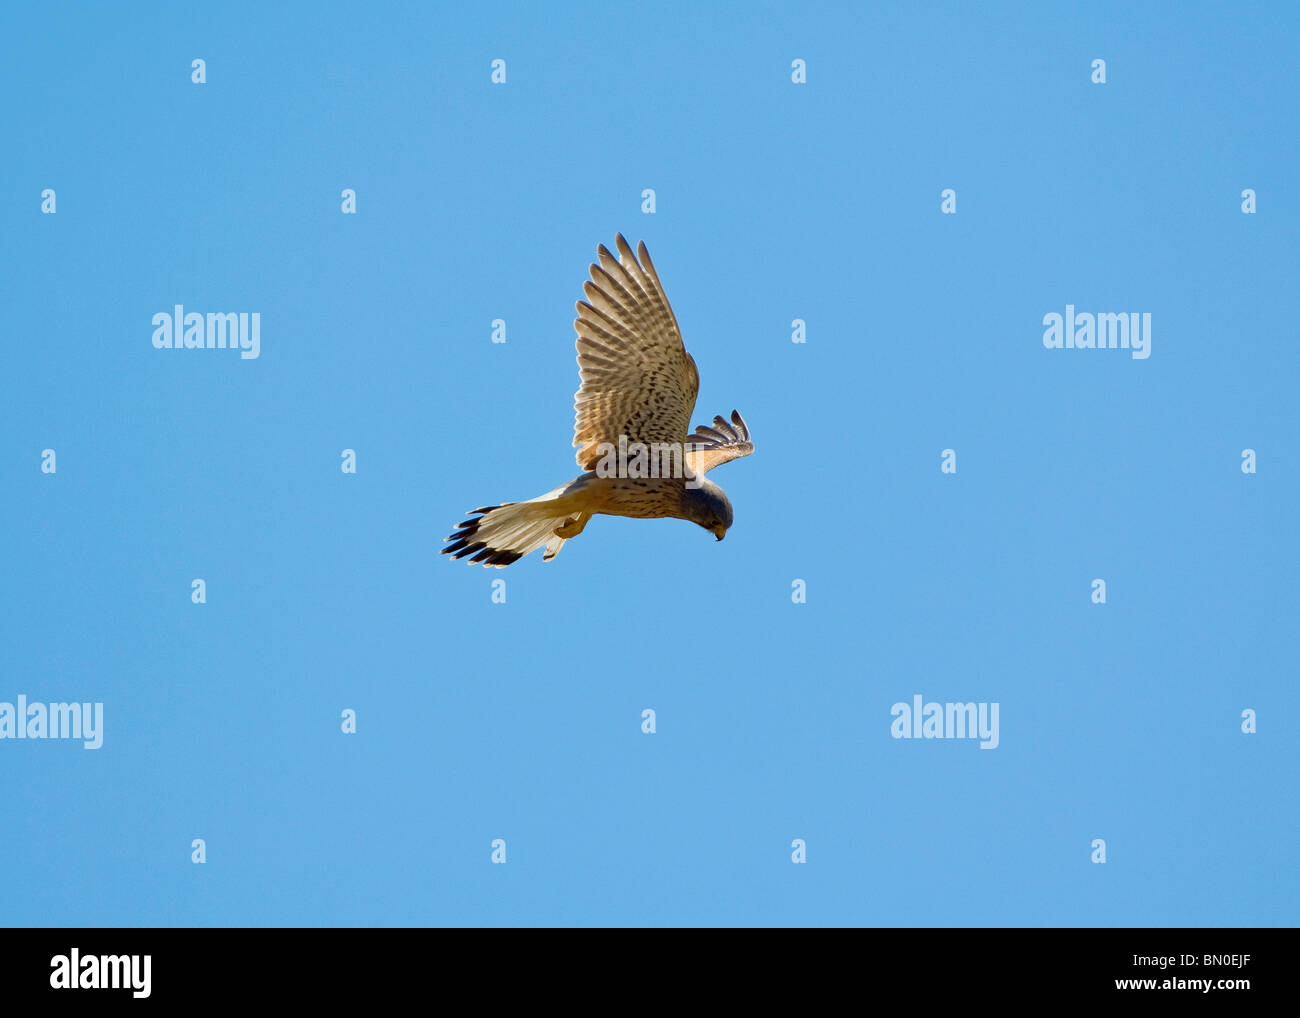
(633, 407)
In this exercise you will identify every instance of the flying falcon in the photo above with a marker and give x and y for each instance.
(634, 405)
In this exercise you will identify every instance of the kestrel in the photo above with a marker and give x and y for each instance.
(633, 417)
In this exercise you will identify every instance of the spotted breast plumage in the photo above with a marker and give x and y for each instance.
(633, 412)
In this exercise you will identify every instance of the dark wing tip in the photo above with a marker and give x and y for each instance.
(727, 431)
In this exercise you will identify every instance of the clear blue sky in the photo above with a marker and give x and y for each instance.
(521, 721)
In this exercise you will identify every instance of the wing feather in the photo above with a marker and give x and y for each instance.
(637, 380)
(722, 443)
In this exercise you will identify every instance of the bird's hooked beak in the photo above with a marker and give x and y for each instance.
(719, 532)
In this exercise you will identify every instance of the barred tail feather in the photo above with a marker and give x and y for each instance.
(501, 534)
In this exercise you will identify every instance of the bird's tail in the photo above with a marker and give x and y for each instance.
(501, 534)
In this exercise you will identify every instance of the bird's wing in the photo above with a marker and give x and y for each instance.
(711, 447)
(637, 378)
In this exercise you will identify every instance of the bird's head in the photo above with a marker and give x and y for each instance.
(707, 506)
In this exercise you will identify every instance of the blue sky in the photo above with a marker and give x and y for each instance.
(522, 721)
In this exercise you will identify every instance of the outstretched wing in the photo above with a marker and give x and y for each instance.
(711, 447)
(637, 378)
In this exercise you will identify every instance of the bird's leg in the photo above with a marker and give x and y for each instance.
(573, 527)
